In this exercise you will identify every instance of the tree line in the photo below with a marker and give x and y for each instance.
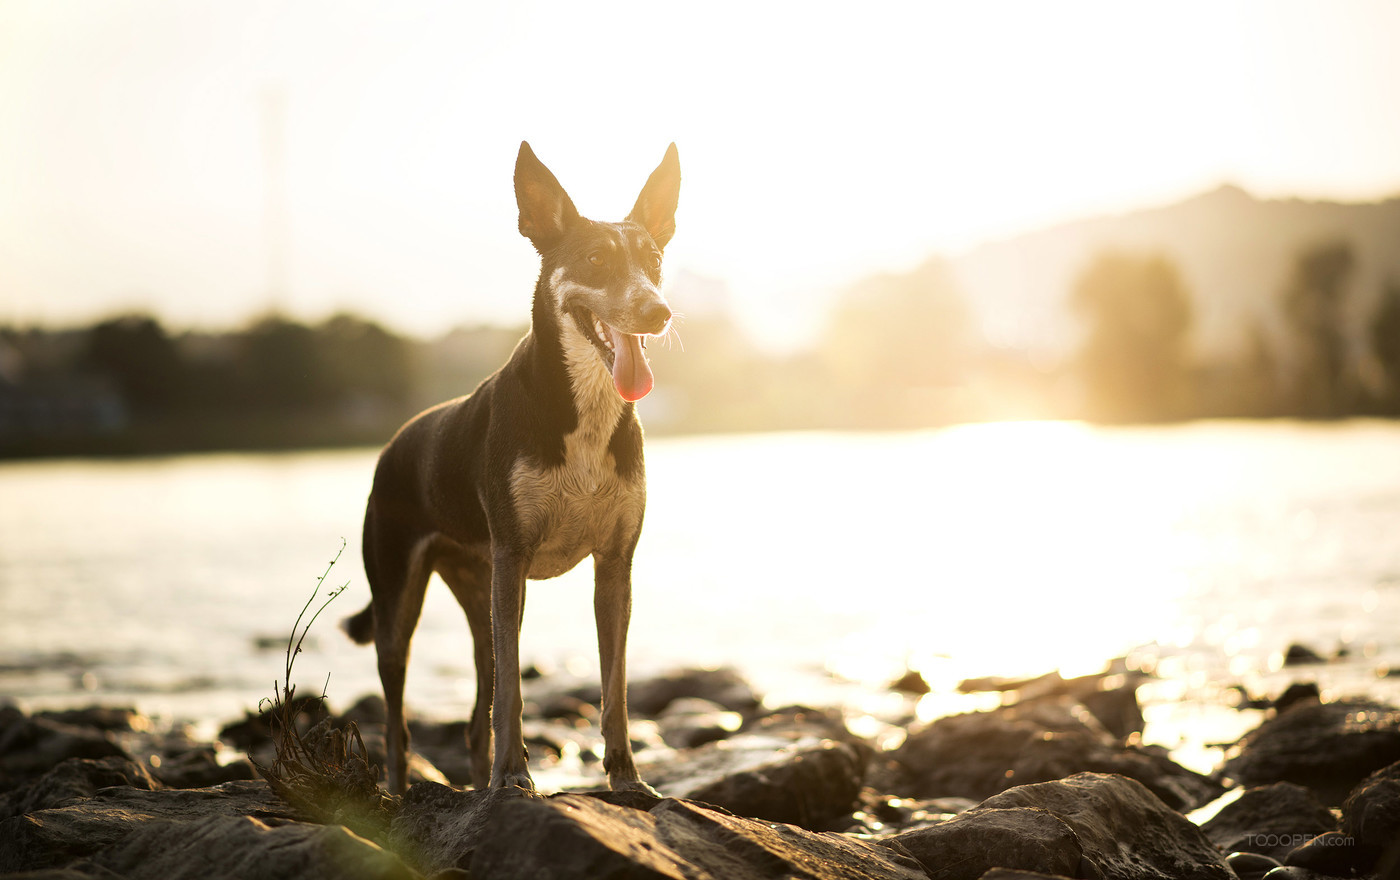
(899, 350)
(1137, 363)
(128, 384)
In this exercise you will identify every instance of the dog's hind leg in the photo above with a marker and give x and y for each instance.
(470, 582)
(612, 608)
(509, 765)
(399, 580)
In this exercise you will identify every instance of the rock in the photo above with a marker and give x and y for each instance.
(441, 826)
(73, 779)
(978, 754)
(1014, 874)
(1125, 831)
(54, 837)
(444, 745)
(808, 783)
(911, 682)
(1055, 756)
(1327, 747)
(111, 718)
(1251, 865)
(649, 697)
(1371, 813)
(1301, 655)
(421, 768)
(690, 721)
(1243, 699)
(200, 768)
(1049, 681)
(1270, 820)
(31, 747)
(1111, 696)
(574, 836)
(724, 686)
(241, 846)
(796, 723)
(1335, 854)
(968, 755)
(1116, 709)
(254, 732)
(367, 712)
(1297, 692)
(968, 846)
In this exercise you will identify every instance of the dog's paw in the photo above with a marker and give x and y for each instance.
(633, 785)
(519, 780)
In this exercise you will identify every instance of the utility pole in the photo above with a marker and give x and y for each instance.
(276, 233)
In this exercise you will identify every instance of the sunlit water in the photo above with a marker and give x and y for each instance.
(819, 564)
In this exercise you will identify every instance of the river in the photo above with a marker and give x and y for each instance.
(820, 564)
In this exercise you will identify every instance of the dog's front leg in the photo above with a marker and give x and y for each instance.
(612, 607)
(508, 571)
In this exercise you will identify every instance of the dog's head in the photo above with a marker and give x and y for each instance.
(603, 279)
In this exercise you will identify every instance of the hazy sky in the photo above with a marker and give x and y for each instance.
(816, 143)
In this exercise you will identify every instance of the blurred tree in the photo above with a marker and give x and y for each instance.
(278, 365)
(358, 357)
(710, 377)
(454, 363)
(1314, 303)
(1385, 344)
(897, 345)
(138, 355)
(1133, 363)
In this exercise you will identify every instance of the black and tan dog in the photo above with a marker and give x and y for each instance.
(537, 468)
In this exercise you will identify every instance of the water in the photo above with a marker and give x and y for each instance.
(819, 564)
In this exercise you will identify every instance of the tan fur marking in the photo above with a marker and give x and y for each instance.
(582, 505)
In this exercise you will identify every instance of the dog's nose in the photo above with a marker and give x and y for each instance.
(656, 315)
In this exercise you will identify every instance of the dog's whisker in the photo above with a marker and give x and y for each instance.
(674, 331)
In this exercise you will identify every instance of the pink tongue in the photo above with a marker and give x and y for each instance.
(631, 373)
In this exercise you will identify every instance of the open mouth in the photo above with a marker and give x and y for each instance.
(621, 352)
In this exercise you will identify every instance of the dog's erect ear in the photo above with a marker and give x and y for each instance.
(545, 209)
(656, 206)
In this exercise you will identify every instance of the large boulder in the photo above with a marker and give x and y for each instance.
(1371, 813)
(32, 746)
(441, 826)
(978, 754)
(241, 846)
(1327, 747)
(574, 836)
(72, 780)
(806, 782)
(57, 836)
(1126, 832)
(1370, 830)
(1270, 820)
(199, 767)
(968, 846)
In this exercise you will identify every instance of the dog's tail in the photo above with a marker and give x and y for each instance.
(360, 627)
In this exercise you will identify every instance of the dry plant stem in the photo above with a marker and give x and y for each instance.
(284, 712)
(324, 770)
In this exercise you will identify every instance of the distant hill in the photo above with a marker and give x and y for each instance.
(1234, 252)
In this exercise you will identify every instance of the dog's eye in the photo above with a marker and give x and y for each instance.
(655, 260)
(595, 258)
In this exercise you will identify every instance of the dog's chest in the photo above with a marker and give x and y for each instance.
(569, 511)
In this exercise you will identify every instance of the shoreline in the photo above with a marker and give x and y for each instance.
(894, 794)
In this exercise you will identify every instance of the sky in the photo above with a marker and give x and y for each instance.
(209, 161)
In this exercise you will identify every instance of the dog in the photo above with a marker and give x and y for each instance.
(537, 468)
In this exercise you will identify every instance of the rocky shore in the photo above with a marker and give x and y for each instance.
(1054, 782)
